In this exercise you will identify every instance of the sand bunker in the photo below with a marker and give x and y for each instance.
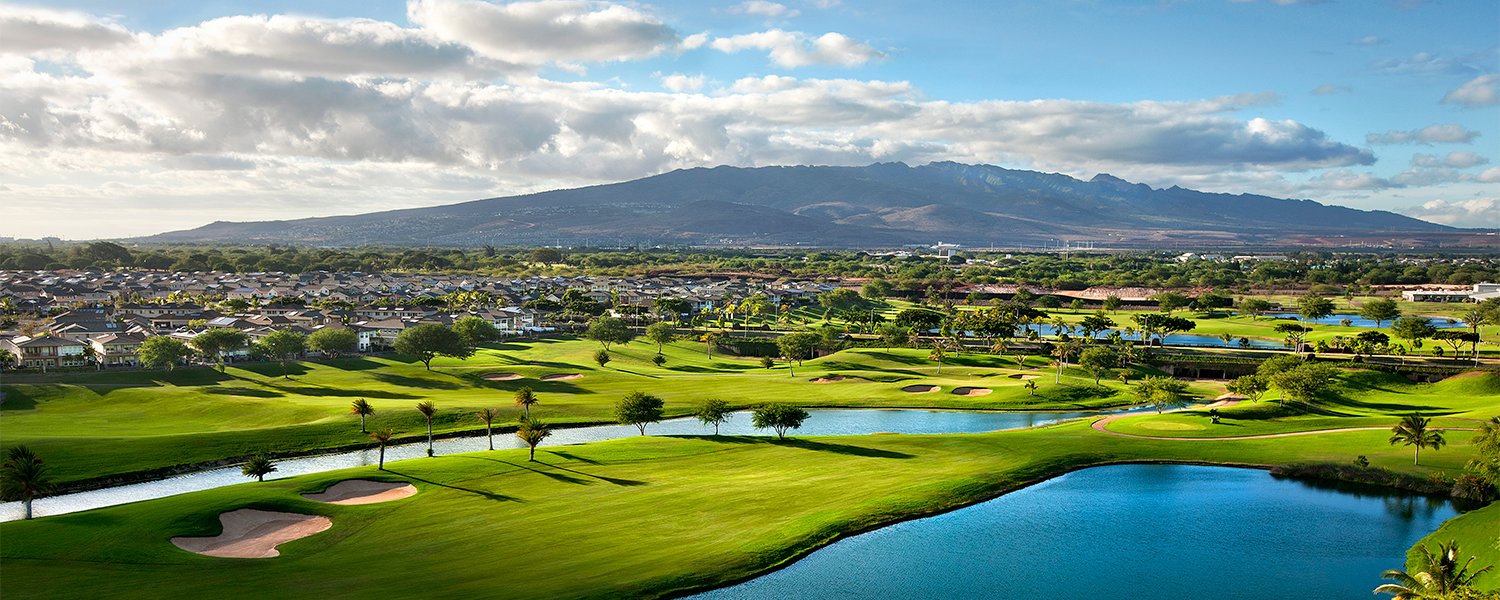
(251, 533)
(363, 491)
(972, 391)
(502, 377)
(919, 389)
(562, 376)
(829, 379)
(1022, 376)
(1229, 396)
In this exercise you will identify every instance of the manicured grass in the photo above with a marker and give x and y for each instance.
(1478, 534)
(633, 517)
(95, 424)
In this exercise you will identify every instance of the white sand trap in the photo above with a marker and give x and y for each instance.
(1022, 376)
(919, 389)
(972, 391)
(251, 533)
(502, 377)
(1229, 396)
(829, 379)
(562, 376)
(363, 491)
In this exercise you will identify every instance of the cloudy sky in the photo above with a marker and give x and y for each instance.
(131, 117)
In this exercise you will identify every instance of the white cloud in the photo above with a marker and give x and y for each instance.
(1483, 90)
(678, 82)
(1369, 40)
(25, 30)
(1490, 175)
(545, 32)
(1344, 179)
(1441, 133)
(764, 8)
(792, 49)
(1427, 63)
(1478, 212)
(1453, 160)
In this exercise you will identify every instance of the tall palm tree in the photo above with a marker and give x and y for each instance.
(1474, 318)
(362, 408)
(382, 437)
(532, 432)
(938, 355)
(24, 477)
(1030, 387)
(428, 409)
(1062, 351)
(1413, 430)
(1440, 574)
(258, 466)
(488, 415)
(525, 397)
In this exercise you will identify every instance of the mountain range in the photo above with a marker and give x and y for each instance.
(883, 204)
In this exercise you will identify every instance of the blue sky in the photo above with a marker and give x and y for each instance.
(150, 116)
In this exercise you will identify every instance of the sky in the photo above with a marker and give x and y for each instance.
(131, 117)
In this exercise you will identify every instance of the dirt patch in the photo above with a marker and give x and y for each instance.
(919, 389)
(972, 391)
(1229, 396)
(502, 377)
(251, 533)
(562, 376)
(363, 491)
(828, 379)
(1023, 376)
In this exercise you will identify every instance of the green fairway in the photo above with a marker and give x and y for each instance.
(96, 424)
(588, 521)
(1478, 534)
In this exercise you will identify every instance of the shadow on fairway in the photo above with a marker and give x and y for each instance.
(415, 382)
(272, 369)
(563, 477)
(804, 444)
(354, 364)
(488, 495)
(241, 391)
(570, 456)
(318, 390)
(610, 480)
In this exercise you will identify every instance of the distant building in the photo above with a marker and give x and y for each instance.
(1479, 293)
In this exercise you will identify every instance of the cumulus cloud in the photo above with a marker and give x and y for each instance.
(678, 82)
(1483, 90)
(1478, 212)
(1427, 63)
(763, 8)
(26, 30)
(1345, 179)
(1441, 133)
(1454, 160)
(792, 49)
(545, 32)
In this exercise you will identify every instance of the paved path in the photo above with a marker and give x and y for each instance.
(1101, 425)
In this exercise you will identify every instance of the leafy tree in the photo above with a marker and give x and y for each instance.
(333, 341)
(920, 319)
(382, 437)
(709, 339)
(1153, 324)
(1413, 329)
(1454, 338)
(282, 345)
(892, 334)
(1380, 310)
(212, 344)
(488, 416)
(1093, 324)
(798, 346)
(601, 357)
(1169, 302)
(676, 307)
(1487, 446)
(428, 410)
(661, 334)
(1252, 387)
(532, 432)
(1438, 575)
(1305, 382)
(161, 352)
(546, 256)
(473, 331)
(1112, 303)
(639, 409)
(1255, 306)
(1414, 430)
(778, 417)
(24, 478)
(525, 397)
(876, 289)
(430, 340)
(1098, 361)
(1313, 307)
(1162, 392)
(608, 330)
(258, 466)
(840, 299)
(713, 411)
(362, 408)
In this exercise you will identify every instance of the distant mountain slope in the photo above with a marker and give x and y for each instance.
(881, 204)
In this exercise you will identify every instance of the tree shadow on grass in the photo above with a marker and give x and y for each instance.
(610, 480)
(563, 477)
(353, 364)
(324, 391)
(804, 444)
(416, 382)
(241, 391)
(570, 456)
(273, 369)
(488, 495)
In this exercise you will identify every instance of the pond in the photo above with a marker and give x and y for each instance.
(1358, 321)
(1127, 531)
(822, 422)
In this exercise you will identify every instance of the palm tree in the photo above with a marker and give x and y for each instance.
(382, 437)
(428, 409)
(1062, 351)
(1226, 338)
(937, 355)
(24, 477)
(1475, 317)
(362, 408)
(488, 415)
(1440, 575)
(524, 399)
(532, 432)
(1413, 431)
(258, 466)
(1030, 387)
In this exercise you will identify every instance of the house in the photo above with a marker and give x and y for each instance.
(46, 352)
(117, 349)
